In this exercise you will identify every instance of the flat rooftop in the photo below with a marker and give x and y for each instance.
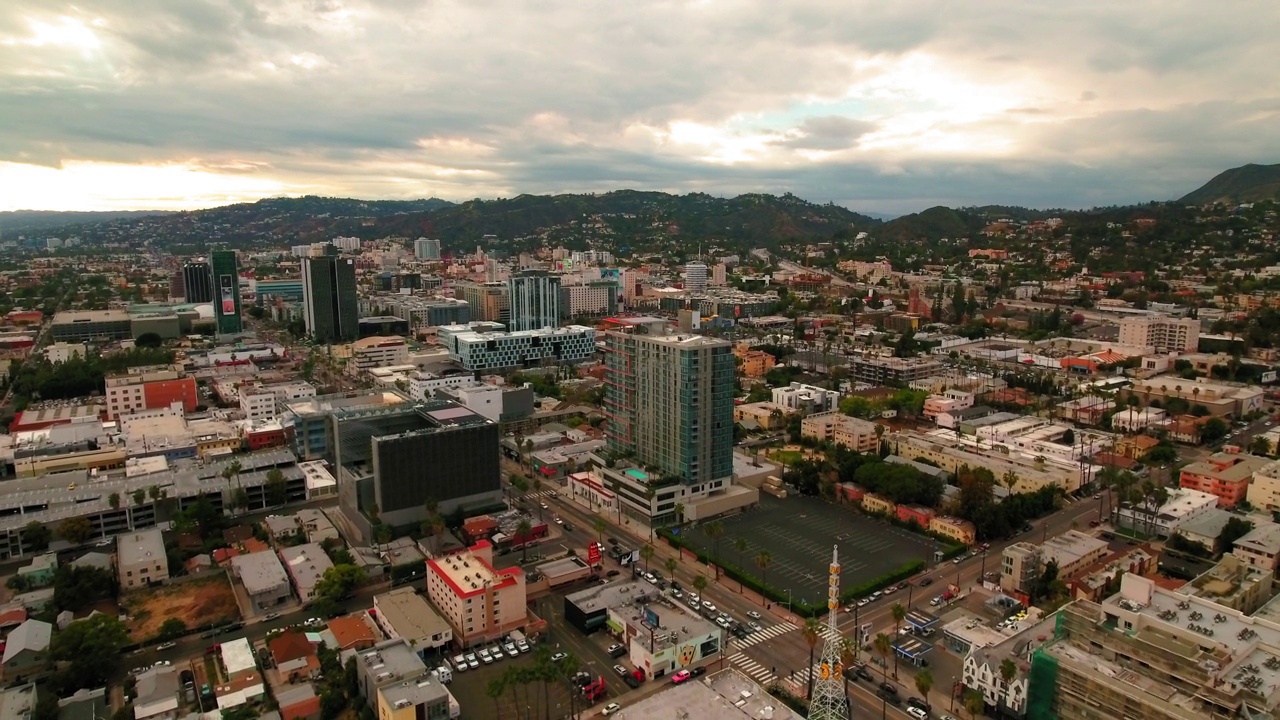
(612, 595)
(718, 696)
(410, 614)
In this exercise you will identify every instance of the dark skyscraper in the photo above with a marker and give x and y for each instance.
(226, 284)
(535, 300)
(197, 282)
(329, 298)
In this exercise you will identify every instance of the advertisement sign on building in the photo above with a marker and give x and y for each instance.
(227, 288)
(593, 554)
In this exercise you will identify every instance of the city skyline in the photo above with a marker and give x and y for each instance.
(887, 108)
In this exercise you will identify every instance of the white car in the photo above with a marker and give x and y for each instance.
(522, 646)
(485, 657)
(864, 602)
(918, 713)
(472, 662)
(611, 708)
(460, 663)
(510, 649)
(755, 626)
(753, 615)
(708, 606)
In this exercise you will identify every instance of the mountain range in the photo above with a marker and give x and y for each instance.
(623, 217)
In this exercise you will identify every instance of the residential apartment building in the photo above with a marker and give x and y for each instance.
(1222, 474)
(1165, 334)
(477, 350)
(1220, 399)
(949, 401)
(264, 579)
(329, 298)
(1260, 548)
(669, 401)
(257, 404)
(1020, 567)
(1264, 488)
(149, 388)
(306, 565)
(478, 601)
(754, 363)
(854, 433)
(426, 248)
(141, 559)
(394, 680)
(592, 299)
(1182, 506)
(805, 399)
(1073, 552)
(534, 297)
(765, 415)
(892, 370)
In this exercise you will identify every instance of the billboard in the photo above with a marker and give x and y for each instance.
(651, 617)
(227, 292)
(593, 554)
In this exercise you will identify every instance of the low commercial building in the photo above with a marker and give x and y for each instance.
(1182, 506)
(91, 326)
(391, 663)
(376, 352)
(1073, 552)
(662, 639)
(1219, 398)
(957, 529)
(263, 578)
(1224, 475)
(725, 695)
(156, 693)
(478, 601)
(306, 565)
(404, 614)
(149, 388)
(588, 610)
(141, 559)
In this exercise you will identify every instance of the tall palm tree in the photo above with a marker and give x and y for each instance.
(883, 645)
(671, 564)
(700, 583)
(646, 554)
(524, 529)
(599, 526)
(848, 658)
(1008, 671)
(812, 631)
(899, 614)
(679, 513)
(924, 683)
(494, 690)
(715, 531)
(763, 561)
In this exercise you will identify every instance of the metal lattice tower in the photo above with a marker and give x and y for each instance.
(828, 687)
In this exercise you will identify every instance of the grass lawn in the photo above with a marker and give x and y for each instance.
(786, 457)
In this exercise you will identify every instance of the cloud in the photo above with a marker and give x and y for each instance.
(888, 107)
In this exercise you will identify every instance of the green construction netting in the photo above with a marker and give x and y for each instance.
(1042, 685)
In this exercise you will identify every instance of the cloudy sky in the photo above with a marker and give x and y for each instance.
(888, 107)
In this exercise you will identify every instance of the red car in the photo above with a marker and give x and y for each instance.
(680, 677)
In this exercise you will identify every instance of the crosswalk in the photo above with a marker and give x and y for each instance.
(541, 494)
(768, 633)
(764, 675)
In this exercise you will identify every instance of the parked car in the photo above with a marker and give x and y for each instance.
(918, 713)
(926, 582)
(680, 676)
(610, 709)
(864, 602)
(622, 671)
(865, 674)
(612, 573)
(271, 616)
(485, 657)
(559, 656)
(753, 615)
(167, 646)
(631, 680)
(708, 606)
(460, 663)
(914, 701)
(472, 661)
(617, 651)
(699, 671)
(510, 648)
(522, 646)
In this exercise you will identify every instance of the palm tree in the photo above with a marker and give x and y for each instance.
(700, 583)
(494, 690)
(114, 500)
(924, 683)
(524, 529)
(848, 658)
(1008, 670)
(883, 645)
(671, 564)
(715, 531)
(812, 631)
(899, 614)
(973, 702)
(679, 513)
(763, 561)
(234, 469)
(646, 554)
(599, 525)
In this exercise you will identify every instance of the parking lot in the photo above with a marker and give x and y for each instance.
(798, 533)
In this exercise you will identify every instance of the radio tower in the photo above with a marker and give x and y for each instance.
(828, 689)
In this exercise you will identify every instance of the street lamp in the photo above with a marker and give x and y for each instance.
(789, 600)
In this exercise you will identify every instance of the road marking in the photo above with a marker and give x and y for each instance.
(768, 633)
(758, 672)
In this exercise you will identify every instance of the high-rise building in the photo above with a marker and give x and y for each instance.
(426, 248)
(226, 278)
(669, 400)
(695, 278)
(177, 285)
(1165, 334)
(489, 302)
(197, 282)
(329, 298)
(535, 300)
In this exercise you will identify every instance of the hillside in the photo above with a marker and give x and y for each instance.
(626, 218)
(1247, 183)
(936, 222)
(14, 222)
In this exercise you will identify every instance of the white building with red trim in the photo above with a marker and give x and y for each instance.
(478, 601)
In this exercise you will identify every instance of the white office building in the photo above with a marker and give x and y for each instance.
(695, 278)
(426, 248)
(475, 350)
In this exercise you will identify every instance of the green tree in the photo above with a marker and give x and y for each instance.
(599, 525)
(75, 530)
(883, 645)
(763, 560)
(276, 488)
(1233, 530)
(1259, 445)
(700, 583)
(524, 529)
(77, 586)
(671, 564)
(494, 690)
(114, 500)
(139, 496)
(646, 554)
(171, 628)
(340, 581)
(1213, 430)
(240, 498)
(973, 702)
(715, 530)
(1008, 670)
(149, 340)
(91, 648)
(36, 536)
(924, 683)
(811, 631)
(899, 614)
